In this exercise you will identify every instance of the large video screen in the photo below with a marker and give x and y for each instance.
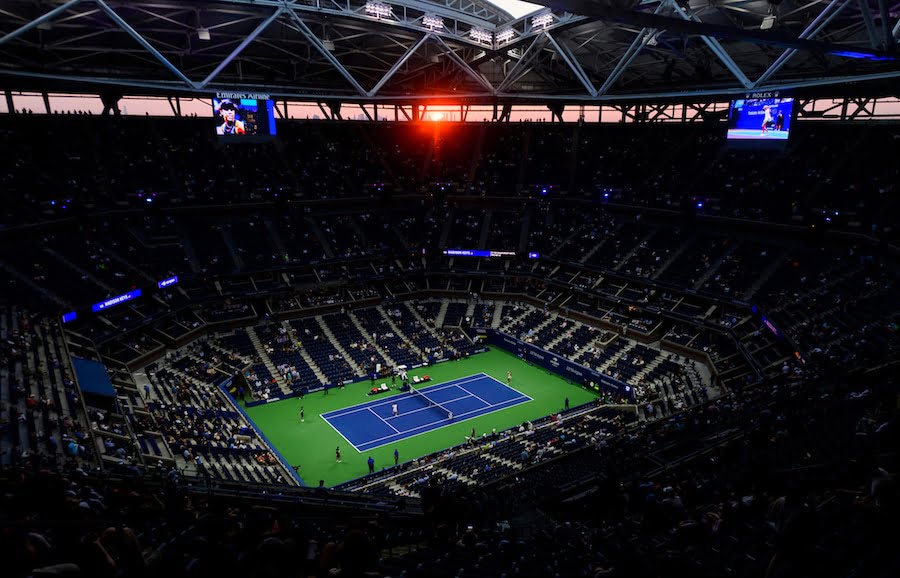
(244, 118)
(760, 119)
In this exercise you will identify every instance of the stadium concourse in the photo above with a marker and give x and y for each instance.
(723, 325)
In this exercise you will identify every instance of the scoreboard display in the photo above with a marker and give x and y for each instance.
(243, 117)
(760, 117)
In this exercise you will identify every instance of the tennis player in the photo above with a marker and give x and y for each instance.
(449, 416)
(394, 410)
(767, 118)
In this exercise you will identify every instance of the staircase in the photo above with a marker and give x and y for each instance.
(347, 357)
(547, 321)
(314, 226)
(224, 351)
(502, 461)
(445, 230)
(673, 257)
(439, 320)
(498, 314)
(485, 229)
(476, 155)
(766, 274)
(390, 361)
(415, 314)
(513, 321)
(634, 249)
(232, 246)
(276, 239)
(565, 335)
(261, 351)
(523, 159)
(189, 251)
(126, 263)
(396, 330)
(469, 481)
(565, 241)
(320, 375)
(39, 289)
(597, 247)
(649, 367)
(80, 271)
(526, 227)
(606, 365)
(715, 266)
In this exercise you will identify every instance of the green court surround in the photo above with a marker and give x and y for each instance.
(312, 444)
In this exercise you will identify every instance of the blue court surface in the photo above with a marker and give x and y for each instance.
(370, 425)
(756, 134)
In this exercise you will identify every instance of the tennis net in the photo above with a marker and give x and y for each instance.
(428, 402)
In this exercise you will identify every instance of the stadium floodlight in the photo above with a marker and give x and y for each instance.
(203, 33)
(378, 9)
(505, 35)
(432, 22)
(542, 20)
(481, 35)
(768, 22)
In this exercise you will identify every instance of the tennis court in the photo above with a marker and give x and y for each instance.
(370, 425)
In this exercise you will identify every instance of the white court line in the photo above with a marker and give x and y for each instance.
(517, 401)
(392, 399)
(507, 386)
(476, 397)
(434, 406)
(383, 420)
(340, 434)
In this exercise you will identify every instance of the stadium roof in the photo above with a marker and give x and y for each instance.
(403, 50)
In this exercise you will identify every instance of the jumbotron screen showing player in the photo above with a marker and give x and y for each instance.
(760, 119)
(244, 118)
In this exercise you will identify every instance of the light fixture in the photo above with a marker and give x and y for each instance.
(203, 33)
(481, 35)
(768, 22)
(329, 45)
(432, 22)
(505, 35)
(542, 20)
(378, 9)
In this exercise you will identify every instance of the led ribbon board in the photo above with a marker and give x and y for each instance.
(166, 282)
(488, 254)
(115, 300)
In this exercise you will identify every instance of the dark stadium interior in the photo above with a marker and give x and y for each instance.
(731, 311)
(690, 482)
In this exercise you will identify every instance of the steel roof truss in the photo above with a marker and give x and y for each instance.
(240, 47)
(870, 23)
(314, 40)
(885, 24)
(638, 44)
(573, 64)
(715, 46)
(397, 65)
(522, 63)
(817, 25)
(143, 42)
(474, 74)
(47, 17)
